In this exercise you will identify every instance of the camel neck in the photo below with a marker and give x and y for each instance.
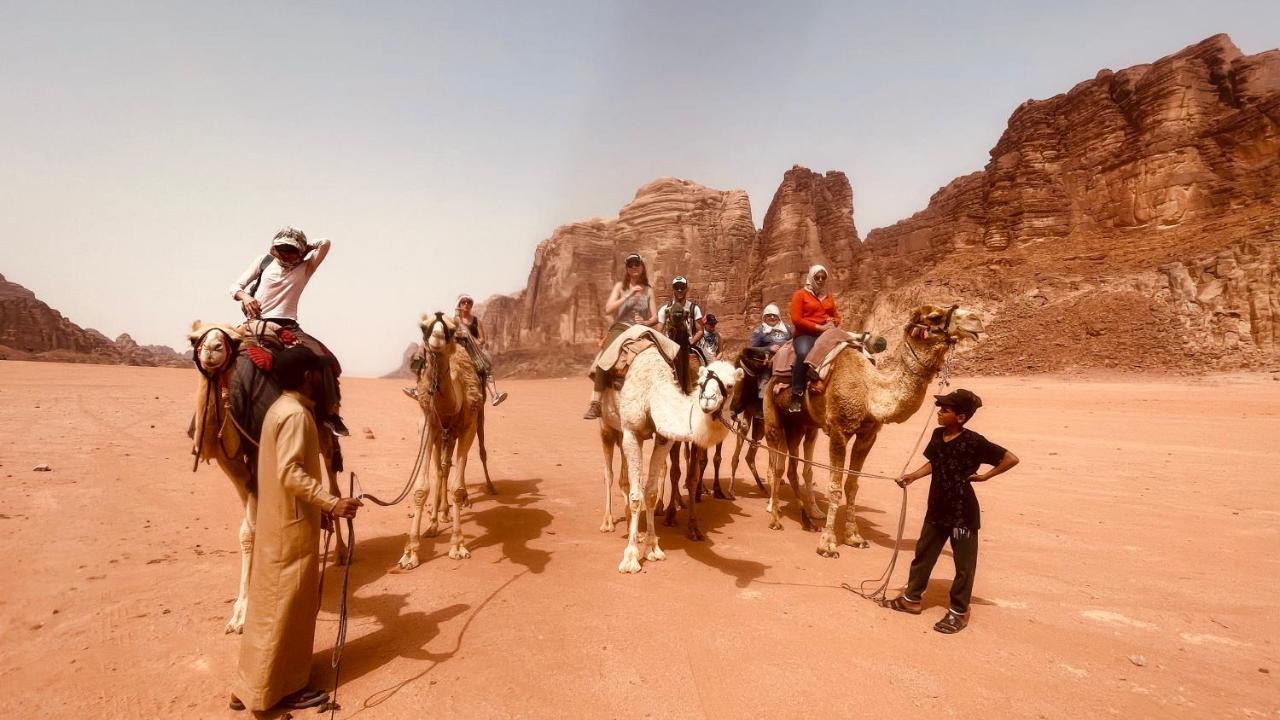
(905, 380)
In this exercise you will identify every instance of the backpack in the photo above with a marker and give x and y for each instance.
(680, 320)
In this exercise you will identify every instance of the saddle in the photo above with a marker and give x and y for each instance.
(617, 357)
(829, 345)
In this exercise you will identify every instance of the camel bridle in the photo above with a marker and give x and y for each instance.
(921, 331)
(427, 331)
(211, 373)
(709, 377)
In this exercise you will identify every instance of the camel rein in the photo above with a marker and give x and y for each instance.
(340, 642)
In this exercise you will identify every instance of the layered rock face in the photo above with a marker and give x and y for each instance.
(31, 330)
(678, 226)
(1130, 223)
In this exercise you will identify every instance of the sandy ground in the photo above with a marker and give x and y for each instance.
(1128, 568)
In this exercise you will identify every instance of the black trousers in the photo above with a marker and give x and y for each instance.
(964, 550)
(331, 393)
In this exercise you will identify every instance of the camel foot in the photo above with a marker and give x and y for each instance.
(656, 554)
(236, 623)
(409, 560)
(804, 521)
(827, 545)
(607, 525)
(459, 552)
(854, 539)
(694, 532)
(630, 560)
(774, 524)
(432, 530)
(489, 489)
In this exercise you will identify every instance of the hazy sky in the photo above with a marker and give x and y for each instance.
(149, 150)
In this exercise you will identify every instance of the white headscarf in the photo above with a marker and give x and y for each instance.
(808, 279)
(772, 309)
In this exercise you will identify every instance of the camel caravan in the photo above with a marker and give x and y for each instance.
(656, 380)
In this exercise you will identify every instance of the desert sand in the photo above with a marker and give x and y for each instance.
(1128, 568)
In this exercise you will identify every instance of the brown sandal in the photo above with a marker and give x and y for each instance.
(951, 623)
(902, 604)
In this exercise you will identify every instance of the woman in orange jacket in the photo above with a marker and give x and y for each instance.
(813, 311)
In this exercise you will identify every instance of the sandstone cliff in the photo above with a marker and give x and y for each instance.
(1130, 223)
(31, 330)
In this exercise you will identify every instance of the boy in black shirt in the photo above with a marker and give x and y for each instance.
(954, 455)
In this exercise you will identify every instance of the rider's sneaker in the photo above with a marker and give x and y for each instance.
(593, 411)
(336, 426)
(497, 399)
(797, 404)
(410, 391)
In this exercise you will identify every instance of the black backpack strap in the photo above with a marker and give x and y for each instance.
(252, 287)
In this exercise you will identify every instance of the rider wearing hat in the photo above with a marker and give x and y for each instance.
(681, 320)
(630, 303)
(271, 288)
(710, 341)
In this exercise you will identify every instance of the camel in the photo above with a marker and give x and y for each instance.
(859, 399)
(651, 405)
(219, 436)
(452, 403)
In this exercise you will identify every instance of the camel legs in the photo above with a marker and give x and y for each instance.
(861, 447)
(484, 454)
(409, 560)
(692, 483)
(458, 491)
(608, 439)
(239, 475)
(636, 501)
(757, 434)
(809, 512)
(652, 483)
(777, 466)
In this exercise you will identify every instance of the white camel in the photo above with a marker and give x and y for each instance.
(651, 405)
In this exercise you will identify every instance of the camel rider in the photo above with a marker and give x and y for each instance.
(681, 320)
(271, 288)
(769, 336)
(474, 341)
(813, 312)
(630, 303)
(710, 342)
(771, 333)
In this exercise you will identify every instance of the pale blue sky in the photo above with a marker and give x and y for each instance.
(149, 150)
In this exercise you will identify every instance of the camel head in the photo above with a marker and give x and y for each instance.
(934, 324)
(214, 346)
(715, 385)
(437, 331)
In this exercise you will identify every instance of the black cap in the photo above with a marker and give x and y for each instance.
(290, 366)
(960, 400)
(711, 319)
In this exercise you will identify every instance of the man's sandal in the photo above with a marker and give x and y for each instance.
(902, 604)
(951, 623)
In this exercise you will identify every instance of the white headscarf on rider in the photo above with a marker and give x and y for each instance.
(772, 309)
(808, 280)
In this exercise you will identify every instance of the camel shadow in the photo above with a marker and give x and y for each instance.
(511, 523)
(715, 515)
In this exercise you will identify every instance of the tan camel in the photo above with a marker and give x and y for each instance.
(216, 434)
(651, 405)
(451, 398)
(859, 399)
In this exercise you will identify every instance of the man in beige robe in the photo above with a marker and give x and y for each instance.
(284, 583)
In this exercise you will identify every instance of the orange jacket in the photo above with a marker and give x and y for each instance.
(808, 312)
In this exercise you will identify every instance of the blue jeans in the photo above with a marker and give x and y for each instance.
(799, 376)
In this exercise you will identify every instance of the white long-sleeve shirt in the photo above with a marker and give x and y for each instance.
(281, 288)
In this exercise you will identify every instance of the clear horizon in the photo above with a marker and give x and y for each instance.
(152, 150)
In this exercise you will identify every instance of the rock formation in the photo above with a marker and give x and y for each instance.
(1130, 223)
(31, 330)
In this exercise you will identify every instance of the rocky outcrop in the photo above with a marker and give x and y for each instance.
(1129, 223)
(678, 226)
(31, 330)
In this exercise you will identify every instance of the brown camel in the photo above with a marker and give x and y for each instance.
(449, 392)
(859, 398)
(233, 395)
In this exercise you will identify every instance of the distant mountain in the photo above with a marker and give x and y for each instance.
(31, 330)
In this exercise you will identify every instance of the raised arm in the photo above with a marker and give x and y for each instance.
(318, 250)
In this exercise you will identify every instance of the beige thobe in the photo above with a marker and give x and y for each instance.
(280, 624)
